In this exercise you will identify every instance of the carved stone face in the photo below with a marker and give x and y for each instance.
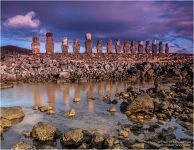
(110, 42)
(154, 42)
(65, 41)
(88, 36)
(118, 42)
(160, 43)
(35, 39)
(147, 42)
(140, 42)
(76, 41)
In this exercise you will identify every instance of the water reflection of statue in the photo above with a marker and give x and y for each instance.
(77, 91)
(51, 94)
(90, 97)
(100, 90)
(66, 94)
(119, 87)
(111, 91)
(37, 97)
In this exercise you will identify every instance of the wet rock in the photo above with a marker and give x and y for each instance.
(71, 113)
(27, 133)
(167, 134)
(108, 142)
(51, 112)
(76, 100)
(35, 107)
(72, 138)
(106, 99)
(43, 131)
(45, 108)
(143, 103)
(124, 133)
(112, 109)
(83, 146)
(12, 113)
(6, 85)
(23, 146)
(5, 123)
(138, 146)
(114, 101)
(97, 140)
(123, 107)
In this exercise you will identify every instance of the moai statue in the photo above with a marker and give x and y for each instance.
(161, 48)
(133, 48)
(126, 47)
(166, 48)
(35, 45)
(88, 43)
(49, 43)
(64, 45)
(99, 46)
(140, 48)
(147, 48)
(154, 48)
(118, 46)
(109, 46)
(76, 46)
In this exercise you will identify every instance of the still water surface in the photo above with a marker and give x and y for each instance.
(91, 110)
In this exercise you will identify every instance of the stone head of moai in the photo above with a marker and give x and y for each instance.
(126, 47)
(64, 45)
(88, 42)
(76, 46)
(35, 45)
(147, 48)
(49, 43)
(133, 47)
(99, 46)
(154, 47)
(118, 46)
(161, 47)
(140, 47)
(109, 46)
(166, 48)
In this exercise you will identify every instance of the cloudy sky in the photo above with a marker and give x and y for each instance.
(170, 22)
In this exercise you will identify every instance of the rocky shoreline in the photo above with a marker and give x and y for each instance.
(162, 104)
(82, 68)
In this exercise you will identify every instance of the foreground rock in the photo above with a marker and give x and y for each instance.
(72, 138)
(43, 131)
(6, 85)
(23, 146)
(12, 113)
(143, 103)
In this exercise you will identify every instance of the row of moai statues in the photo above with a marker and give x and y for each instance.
(128, 48)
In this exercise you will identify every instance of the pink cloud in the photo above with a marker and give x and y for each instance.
(27, 21)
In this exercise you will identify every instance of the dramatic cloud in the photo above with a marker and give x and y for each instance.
(19, 21)
(169, 21)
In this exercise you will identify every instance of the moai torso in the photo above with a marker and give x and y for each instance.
(140, 47)
(154, 48)
(118, 46)
(166, 48)
(76, 46)
(133, 48)
(99, 47)
(35, 45)
(126, 47)
(147, 48)
(88, 43)
(161, 48)
(49, 43)
(109, 46)
(64, 45)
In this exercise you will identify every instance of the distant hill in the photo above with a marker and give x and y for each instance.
(10, 49)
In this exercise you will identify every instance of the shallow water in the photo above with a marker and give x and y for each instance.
(91, 111)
